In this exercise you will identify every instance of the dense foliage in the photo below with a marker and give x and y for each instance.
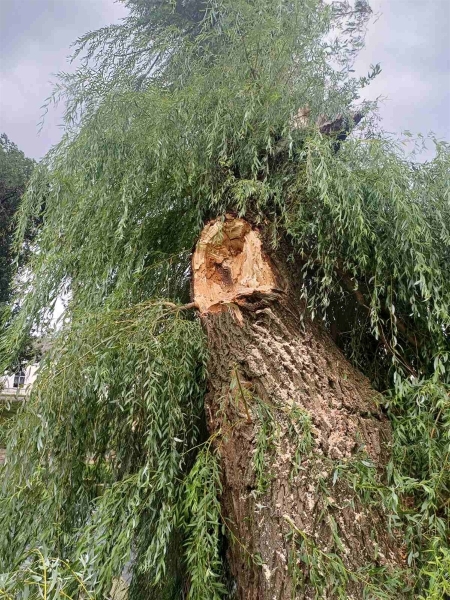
(15, 171)
(182, 112)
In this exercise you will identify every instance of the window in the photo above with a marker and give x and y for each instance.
(19, 379)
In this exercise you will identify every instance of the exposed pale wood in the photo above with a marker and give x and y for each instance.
(229, 264)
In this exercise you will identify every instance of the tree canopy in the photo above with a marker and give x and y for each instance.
(184, 111)
(15, 171)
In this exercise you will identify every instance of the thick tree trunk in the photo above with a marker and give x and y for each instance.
(293, 423)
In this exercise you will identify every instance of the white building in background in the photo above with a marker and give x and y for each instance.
(17, 385)
(13, 390)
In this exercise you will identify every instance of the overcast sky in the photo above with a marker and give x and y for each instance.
(411, 40)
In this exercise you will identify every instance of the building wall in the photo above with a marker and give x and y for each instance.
(7, 383)
(10, 399)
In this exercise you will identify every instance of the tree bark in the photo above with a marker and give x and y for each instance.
(293, 422)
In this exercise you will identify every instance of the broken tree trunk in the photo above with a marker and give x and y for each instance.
(293, 423)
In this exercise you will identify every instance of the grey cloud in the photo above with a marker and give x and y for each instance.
(411, 41)
(35, 44)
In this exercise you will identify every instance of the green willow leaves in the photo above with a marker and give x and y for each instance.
(107, 435)
(182, 112)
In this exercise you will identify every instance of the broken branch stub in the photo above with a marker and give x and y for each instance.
(229, 265)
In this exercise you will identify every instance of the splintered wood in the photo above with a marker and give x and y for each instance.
(229, 265)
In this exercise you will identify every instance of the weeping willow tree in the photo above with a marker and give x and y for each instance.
(248, 395)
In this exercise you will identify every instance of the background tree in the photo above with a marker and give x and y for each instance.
(15, 171)
(189, 114)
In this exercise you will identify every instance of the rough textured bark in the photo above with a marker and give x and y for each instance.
(292, 420)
